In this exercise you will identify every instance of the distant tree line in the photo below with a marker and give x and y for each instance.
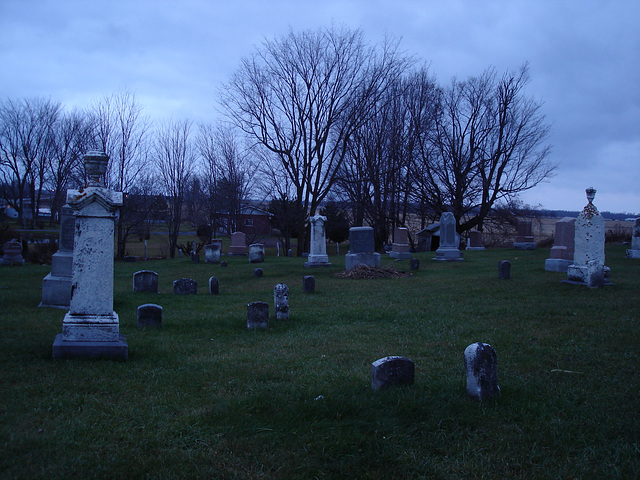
(317, 122)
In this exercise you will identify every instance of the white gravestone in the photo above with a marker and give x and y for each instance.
(449, 240)
(400, 249)
(588, 257)
(91, 328)
(318, 243)
(634, 251)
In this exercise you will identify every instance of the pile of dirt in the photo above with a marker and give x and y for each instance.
(367, 272)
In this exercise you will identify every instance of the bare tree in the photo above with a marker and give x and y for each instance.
(302, 95)
(121, 131)
(175, 158)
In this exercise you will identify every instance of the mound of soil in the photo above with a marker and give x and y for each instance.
(368, 272)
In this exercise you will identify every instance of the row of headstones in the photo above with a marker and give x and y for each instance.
(481, 365)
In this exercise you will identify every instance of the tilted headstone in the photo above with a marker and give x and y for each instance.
(561, 255)
(281, 301)
(317, 243)
(400, 249)
(634, 251)
(214, 286)
(145, 281)
(238, 244)
(91, 329)
(524, 240)
(481, 364)
(258, 272)
(475, 241)
(448, 250)
(213, 251)
(389, 371)
(504, 270)
(308, 284)
(12, 253)
(361, 248)
(150, 315)
(185, 286)
(588, 246)
(56, 286)
(258, 315)
(256, 253)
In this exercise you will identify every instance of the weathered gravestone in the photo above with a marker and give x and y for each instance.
(238, 244)
(213, 251)
(588, 256)
(561, 255)
(91, 328)
(308, 284)
(317, 244)
(145, 281)
(185, 286)
(634, 251)
(504, 270)
(524, 239)
(281, 301)
(400, 249)
(12, 253)
(449, 250)
(258, 272)
(361, 248)
(481, 364)
(214, 286)
(414, 264)
(389, 371)
(475, 241)
(56, 286)
(150, 315)
(258, 315)
(256, 253)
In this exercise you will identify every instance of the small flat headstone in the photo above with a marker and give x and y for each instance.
(481, 364)
(389, 371)
(145, 281)
(258, 315)
(281, 301)
(223, 264)
(214, 286)
(504, 270)
(309, 284)
(185, 286)
(12, 253)
(256, 253)
(257, 272)
(414, 264)
(150, 315)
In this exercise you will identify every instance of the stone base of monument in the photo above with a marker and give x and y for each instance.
(556, 265)
(314, 261)
(368, 259)
(588, 275)
(448, 254)
(524, 245)
(633, 253)
(70, 349)
(56, 292)
(400, 251)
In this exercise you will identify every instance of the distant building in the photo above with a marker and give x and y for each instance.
(251, 221)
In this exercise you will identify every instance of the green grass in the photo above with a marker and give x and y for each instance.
(206, 398)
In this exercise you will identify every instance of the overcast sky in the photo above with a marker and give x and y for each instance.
(584, 59)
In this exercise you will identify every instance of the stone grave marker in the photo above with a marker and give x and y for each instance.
(308, 284)
(634, 251)
(56, 286)
(400, 249)
(214, 286)
(389, 371)
(238, 244)
(12, 253)
(449, 250)
(281, 301)
(256, 253)
(257, 315)
(195, 257)
(475, 241)
(481, 364)
(318, 243)
(150, 315)
(361, 248)
(414, 263)
(504, 270)
(213, 251)
(145, 281)
(524, 240)
(185, 286)
(258, 272)
(91, 329)
(561, 255)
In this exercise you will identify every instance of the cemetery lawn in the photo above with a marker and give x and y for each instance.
(204, 397)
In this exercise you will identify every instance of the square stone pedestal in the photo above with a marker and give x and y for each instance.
(68, 349)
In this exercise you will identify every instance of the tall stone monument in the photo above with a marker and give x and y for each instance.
(561, 255)
(634, 251)
(56, 286)
(588, 258)
(449, 240)
(238, 244)
(318, 243)
(91, 328)
(400, 249)
(361, 251)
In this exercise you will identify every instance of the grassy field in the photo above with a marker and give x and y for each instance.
(206, 398)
